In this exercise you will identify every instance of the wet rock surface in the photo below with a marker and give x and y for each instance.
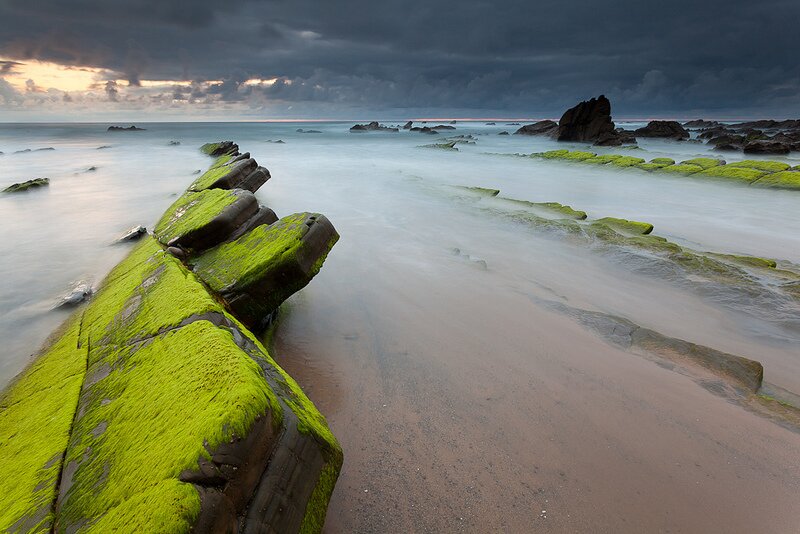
(25, 186)
(587, 121)
(163, 411)
(664, 130)
(373, 126)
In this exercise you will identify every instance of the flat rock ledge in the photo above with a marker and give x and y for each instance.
(155, 408)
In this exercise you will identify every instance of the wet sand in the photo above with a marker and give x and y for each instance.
(467, 407)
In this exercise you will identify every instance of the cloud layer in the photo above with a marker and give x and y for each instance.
(345, 58)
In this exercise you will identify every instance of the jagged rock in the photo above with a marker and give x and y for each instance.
(373, 126)
(235, 174)
(30, 184)
(766, 147)
(134, 233)
(768, 124)
(257, 272)
(128, 129)
(545, 127)
(587, 121)
(663, 129)
(408, 125)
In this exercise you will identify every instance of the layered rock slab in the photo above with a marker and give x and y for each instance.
(257, 272)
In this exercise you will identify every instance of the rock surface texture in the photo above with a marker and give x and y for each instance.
(154, 408)
(588, 121)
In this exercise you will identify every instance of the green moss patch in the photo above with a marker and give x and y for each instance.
(780, 180)
(36, 414)
(662, 161)
(24, 186)
(682, 168)
(193, 211)
(705, 163)
(733, 173)
(625, 226)
(761, 165)
(549, 208)
(747, 261)
(567, 155)
(603, 159)
(483, 191)
(626, 161)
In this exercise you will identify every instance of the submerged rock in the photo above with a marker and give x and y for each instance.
(76, 295)
(134, 233)
(30, 184)
(766, 147)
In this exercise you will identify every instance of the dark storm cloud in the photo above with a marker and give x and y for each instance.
(522, 56)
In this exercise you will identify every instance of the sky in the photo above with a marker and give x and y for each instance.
(84, 60)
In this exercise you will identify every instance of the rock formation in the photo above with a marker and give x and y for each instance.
(587, 121)
(24, 186)
(128, 129)
(154, 408)
(373, 126)
(663, 129)
(545, 127)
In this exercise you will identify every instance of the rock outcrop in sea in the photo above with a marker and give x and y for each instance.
(373, 126)
(156, 407)
(663, 129)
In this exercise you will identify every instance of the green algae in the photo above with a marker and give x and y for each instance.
(36, 414)
(210, 177)
(705, 163)
(748, 261)
(167, 403)
(568, 155)
(625, 226)
(451, 145)
(732, 172)
(554, 208)
(649, 166)
(662, 161)
(239, 263)
(780, 180)
(626, 161)
(24, 186)
(193, 211)
(761, 165)
(682, 168)
(483, 191)
(603, 159)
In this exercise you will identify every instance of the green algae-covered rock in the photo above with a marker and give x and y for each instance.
(682, 168)
(236, 173)
(483, 191)
(761, 165)
(221, 148)
(662, 161)
(36, 413)
(201, 220)
(705, 163)
(568, 155)
(780, 180)
(602, 160)
(732, 172)
(626, 161)
(257, 272)
(24, 186)
(158, 411)
(555, 209)
(747, 261)
(625, 226)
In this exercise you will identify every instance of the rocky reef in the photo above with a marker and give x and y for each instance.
(373, 126)
(155, 407)
(29, 184)
(757, 173)
(753, 137)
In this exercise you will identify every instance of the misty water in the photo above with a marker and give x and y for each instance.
(418, 263)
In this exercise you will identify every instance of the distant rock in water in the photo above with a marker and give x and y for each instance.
(373, 126)
(443, 127)
(503, 133)
(198, 171)
(589, 121)
(663, 129)
(489, 124)
(278, 142)
(91, 169)
(766, 147)
(546, 127)
(512, 124)
(700, 123)
(78, 294)
(128, 129)
(133, 234)
(173, 143)
(300, 130)
(425, 130)
(22, 151)
(30, 184)
(103, 147)
(408, 125)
